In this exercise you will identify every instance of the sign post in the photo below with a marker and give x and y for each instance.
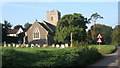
(99, 40)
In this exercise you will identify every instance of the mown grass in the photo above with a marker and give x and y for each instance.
(104, 49)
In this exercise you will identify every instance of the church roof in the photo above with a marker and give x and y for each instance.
(49, 27)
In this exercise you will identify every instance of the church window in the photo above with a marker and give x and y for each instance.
(36, 34)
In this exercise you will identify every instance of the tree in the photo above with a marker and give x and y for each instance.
(94, 18)
(27, 25)
(74, 23)
(116, 35)
(5, 26)
(105, 31)
(18, 26)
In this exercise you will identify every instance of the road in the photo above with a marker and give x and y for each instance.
(110, 61)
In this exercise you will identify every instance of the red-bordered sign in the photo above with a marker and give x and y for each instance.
(99, 40)
(99, 36)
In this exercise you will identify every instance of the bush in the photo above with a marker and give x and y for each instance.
(80, 56)
(82, 43)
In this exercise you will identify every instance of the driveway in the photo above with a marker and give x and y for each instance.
(110, 61)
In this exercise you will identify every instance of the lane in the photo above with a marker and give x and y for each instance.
(112, 60)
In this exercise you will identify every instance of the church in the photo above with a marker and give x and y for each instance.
(43, 32)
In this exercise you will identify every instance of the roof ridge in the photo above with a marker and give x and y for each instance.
(47, 26)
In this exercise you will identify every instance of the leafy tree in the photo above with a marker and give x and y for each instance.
(75, 23)
(27, 25)
(116, 35)
(5, 26)
(18, 26)
(105, 31)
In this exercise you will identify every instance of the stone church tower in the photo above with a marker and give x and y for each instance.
(53, 17)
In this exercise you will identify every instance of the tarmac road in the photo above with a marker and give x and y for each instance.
(110, 61)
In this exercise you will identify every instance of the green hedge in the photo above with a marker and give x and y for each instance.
(81, 56)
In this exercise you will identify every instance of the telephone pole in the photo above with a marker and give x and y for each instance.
(71, 39)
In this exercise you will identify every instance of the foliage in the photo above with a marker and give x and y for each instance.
(105, 49)
(116, 35)
(18, 26)
(75, 23)
(105, 31)
(81, 56)
(94, 17)
(82, 43)
(27, 25)
(5, 26)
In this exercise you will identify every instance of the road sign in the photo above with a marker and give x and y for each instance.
(99, 40)
(99, 36)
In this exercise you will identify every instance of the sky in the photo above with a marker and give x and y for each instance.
(22, 12)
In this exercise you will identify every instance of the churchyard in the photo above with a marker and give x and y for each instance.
(35, 45)
(103, 49)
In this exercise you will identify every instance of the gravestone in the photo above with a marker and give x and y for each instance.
(13, 45)
(57, 46)
(66, 45)
(45, 45)
(17, 45)
(38, 46)
(5, 45)
(9, 45)
(32, 45)
(62, 46)
(53, 45)
(26, 45)
(22, 45)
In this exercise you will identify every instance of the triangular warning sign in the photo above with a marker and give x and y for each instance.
(99, 40)
(99, 36)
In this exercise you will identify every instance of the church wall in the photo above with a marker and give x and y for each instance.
(43, 34)
(50, 39)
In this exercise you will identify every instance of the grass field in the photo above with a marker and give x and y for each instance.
(104, 49)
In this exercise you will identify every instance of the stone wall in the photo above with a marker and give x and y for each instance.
(53, 17)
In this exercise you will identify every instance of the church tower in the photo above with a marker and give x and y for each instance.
(53, 17)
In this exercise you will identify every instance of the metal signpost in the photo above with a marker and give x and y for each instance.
(99, 40)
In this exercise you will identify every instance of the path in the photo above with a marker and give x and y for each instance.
(110, 61)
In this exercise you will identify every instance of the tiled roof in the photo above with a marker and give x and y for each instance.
(49, 27)
(12, 31)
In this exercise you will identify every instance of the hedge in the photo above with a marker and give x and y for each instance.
(81, 56)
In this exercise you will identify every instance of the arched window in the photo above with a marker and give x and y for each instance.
(51, 18)
(36, 33)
